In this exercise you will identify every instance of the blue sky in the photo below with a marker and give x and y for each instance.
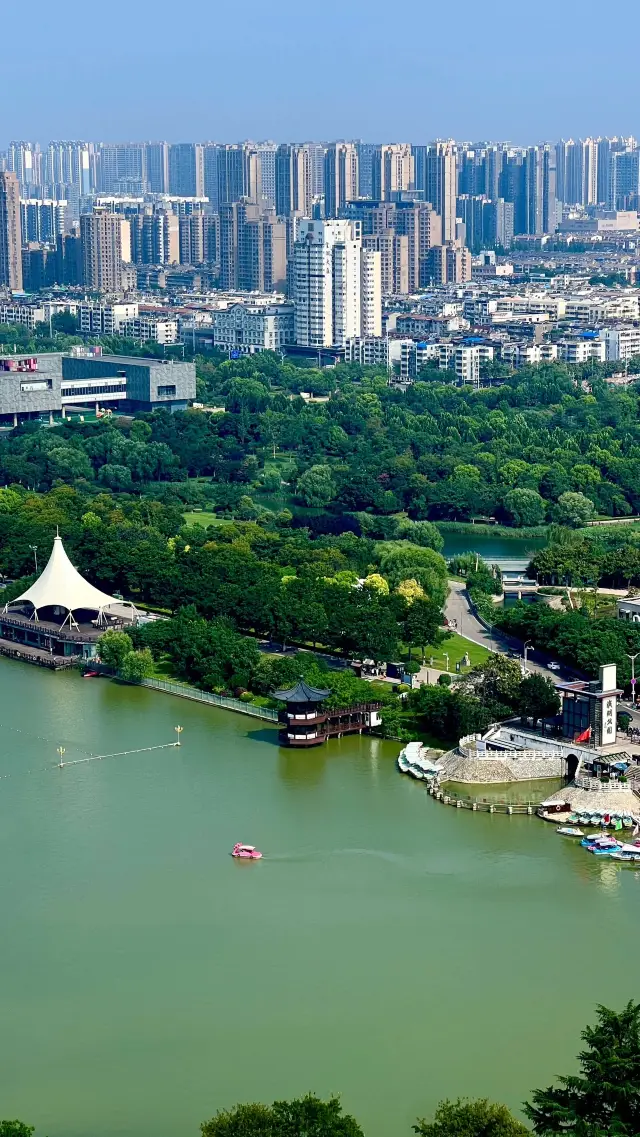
(379, 71)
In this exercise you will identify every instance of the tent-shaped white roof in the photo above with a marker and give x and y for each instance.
(62, 586)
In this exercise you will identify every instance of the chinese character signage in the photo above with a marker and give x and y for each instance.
(608, 720)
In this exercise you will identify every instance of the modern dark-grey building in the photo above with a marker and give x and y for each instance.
(46, 386)
(147, 384)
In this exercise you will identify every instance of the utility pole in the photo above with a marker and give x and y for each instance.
(633, 675)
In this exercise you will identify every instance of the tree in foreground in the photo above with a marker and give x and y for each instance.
(538, 698)
(604, 1098)
(15, 1129)
(303, 1117)
(137, 665)
(113, 647)
(462, 1118)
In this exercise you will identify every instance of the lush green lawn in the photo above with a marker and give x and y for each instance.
(456, 646)
(205, 519)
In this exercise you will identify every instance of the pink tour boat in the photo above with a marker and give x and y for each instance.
(247, 852)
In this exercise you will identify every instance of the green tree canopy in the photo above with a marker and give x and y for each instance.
(574, 509)
(15, 1129)
(303, 1117)
(480, 1118)
(538, 698)
(316, 486)
(604, 1098)
(525, 507)
(113, 647)
(137, 665)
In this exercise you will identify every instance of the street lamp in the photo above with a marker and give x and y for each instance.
(178, 730)
(61, 754)
(34, 550)
(633, 675)
(446, 656)
(527, 645)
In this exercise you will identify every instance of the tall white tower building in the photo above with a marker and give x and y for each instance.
(336, 284)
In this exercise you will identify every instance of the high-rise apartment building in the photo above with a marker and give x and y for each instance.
(106, 245)
(293, 180)
(198, 237)
(70, 164)
(253, 248)
(394, 260)
(42, 219)
(415, 220)
(392, 170)
(449, 264)
(442, 184)
(10, 232)
(488, 224)
(317, 152)
(24, 159)
(239, 173)
(624, 178)
(186, 169)
(366, 156)
(155, 237)
(266, 152)
(577, 171)
(336, 285)
(420, 170)
(211, 150)
(158, 167)
(123, 167)
(340, 177)
(540, 190)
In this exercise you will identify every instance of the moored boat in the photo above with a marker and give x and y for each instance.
(569, 831)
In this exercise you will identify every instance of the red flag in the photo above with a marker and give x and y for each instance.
(584, 737)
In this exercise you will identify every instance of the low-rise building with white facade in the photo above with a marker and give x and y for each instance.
(251, 327)
(520, 354)
(27, 315)
(621, 341)
(581, 350)
(96, 319)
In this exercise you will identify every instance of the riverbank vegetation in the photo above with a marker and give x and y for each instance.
(341, 592)
(607, 556)
(489, 692)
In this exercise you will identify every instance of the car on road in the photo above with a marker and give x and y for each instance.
(553, 666)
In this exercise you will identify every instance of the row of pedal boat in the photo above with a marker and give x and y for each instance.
(603, 844)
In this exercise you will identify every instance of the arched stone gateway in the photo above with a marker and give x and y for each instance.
(572, 766)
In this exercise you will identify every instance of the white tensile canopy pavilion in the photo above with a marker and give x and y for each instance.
(61, 588)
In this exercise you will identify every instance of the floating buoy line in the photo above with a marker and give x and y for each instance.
(61, 751)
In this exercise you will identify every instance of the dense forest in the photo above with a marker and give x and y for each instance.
(546, 444)
(303, 506)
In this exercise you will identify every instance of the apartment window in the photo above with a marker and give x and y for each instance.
(169, 389)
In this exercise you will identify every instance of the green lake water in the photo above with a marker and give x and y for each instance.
(490, 547)
(387, 947)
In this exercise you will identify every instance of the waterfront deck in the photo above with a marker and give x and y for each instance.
(37, 655)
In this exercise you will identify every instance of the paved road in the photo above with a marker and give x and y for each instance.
(457, 608)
